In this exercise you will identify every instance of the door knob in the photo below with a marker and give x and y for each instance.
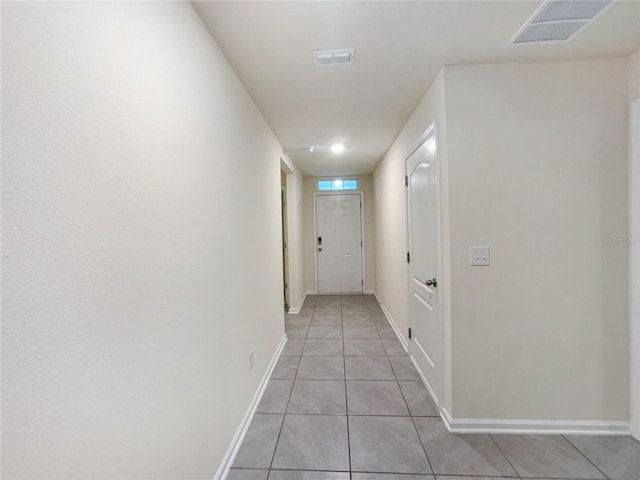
(432, 283)
(319, 249)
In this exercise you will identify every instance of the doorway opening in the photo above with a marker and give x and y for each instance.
(285, 253)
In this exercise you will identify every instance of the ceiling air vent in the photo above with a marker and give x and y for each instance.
(559, 20)
(332, 57)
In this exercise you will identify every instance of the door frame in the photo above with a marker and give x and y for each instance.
(285, 246)
(431, 131)
(634, 265)
(315, 231)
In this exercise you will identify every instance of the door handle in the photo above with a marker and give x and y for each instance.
(319, 249)
(432, 283)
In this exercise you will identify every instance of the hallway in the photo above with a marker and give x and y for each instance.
(345, 403)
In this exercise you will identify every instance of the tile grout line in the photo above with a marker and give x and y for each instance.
(424, 449)
(470, 476)
(411, 416)
(588, 459)
(386, 355)
(504, 454)
(273, 456)
(483, 477)
(346, 398)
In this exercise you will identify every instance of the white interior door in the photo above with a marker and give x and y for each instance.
(339, 243)
(427, 342)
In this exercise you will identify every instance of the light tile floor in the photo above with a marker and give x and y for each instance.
(345, 403)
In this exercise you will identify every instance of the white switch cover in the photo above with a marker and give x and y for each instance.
(478, 256)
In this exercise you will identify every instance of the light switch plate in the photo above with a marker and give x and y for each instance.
(479, 256)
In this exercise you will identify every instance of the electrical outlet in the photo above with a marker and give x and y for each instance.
(479, 256)
(251, 360)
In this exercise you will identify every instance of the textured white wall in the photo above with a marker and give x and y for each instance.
(140, 255)
(309, 186)
(366, 185)
(634, 76)
(634, 234)
(537, 160)
(634, 256)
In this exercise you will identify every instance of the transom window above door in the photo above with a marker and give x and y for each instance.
(325, 184)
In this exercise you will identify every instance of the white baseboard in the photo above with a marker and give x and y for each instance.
(392, 322)
(294, 310)
(310, 292)
(446, 416)
(538, 427)
(370, 292)
(232, 451)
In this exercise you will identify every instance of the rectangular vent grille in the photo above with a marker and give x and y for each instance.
(559, 21)
(332, 57)
(549, 32)
(570, 10)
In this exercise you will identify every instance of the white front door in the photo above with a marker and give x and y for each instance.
(339, 243)
(425, 321)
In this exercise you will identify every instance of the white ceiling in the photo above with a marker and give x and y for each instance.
(400, 48)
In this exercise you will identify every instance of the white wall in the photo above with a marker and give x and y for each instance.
(537, 158)
(295, 234)
(634, 286)
(634, 234)
(309, 186)
(634, 76)
(365, 184)
(140, 189)
(534, 161)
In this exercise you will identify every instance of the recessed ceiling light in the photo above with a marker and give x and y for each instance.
(337, 148)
